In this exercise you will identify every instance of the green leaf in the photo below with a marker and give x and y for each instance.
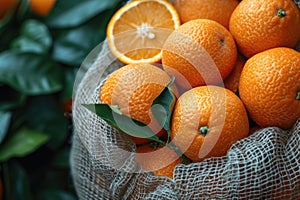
(12, 98)
(16, 182)
(163, 105)
(69, 80)
(34, 37)
(62, 158)
(71, 46)
(57, 194)
(30, 73)
(45, 114)
(122, 122)
(22, 143)
(5, 118)
(76, 14)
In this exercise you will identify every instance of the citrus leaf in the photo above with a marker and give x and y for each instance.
(62, 159)
(30, 73)
(34, 37)
(163, 105)
(5, 118)
(12, 98)
(69, 80)
(45, 114)
(122, 122)
(22, 143)
(70, 14)
(16, 181)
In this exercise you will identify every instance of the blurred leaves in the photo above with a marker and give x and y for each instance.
(39, 59)
(66, 16)
(30, 73)
(34, 37)
(4, 124)
(22, 143)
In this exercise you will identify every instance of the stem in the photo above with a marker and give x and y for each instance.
(281, 13)
(204, 130)
(298, 95)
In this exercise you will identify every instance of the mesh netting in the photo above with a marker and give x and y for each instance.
(265, 165)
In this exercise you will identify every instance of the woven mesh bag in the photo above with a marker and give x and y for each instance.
(265, 165)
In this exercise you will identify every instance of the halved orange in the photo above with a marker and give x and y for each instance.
(137, 31)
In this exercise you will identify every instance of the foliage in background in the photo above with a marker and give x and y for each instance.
(39, 58)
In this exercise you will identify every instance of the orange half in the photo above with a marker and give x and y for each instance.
(138, 30)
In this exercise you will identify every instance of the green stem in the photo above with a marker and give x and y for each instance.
(281, 13)
(298, 95)
(204, 130)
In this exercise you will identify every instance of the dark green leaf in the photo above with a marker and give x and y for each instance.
(16, 182)
(50, 194)
(34, 37)
(4, 123)
(23, 10)
(62, 159)
(122, 122)
(70, 76)
(163, 104)
(22, 143)
(11, 98)
(71, 46)
(45, 114)
(77, 13)
(30, 73)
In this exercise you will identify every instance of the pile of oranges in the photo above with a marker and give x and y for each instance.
(234, 62)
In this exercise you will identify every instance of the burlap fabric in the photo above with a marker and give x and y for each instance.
(265, 165)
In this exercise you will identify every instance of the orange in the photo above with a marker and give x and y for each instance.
(138, 30)
(6, 6)
(259, 25)
(206, 121)
(270, 87)
(217, 10)
(133, 88)
(41, 7)
(160, 160)
(232, 81)
(199, 52)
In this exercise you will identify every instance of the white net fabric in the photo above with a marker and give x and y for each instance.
(265, 165)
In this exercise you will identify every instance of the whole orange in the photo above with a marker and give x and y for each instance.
(6, 6)
(217, 10)
(160, 160)
(206, 121)
(41, 7)
(133, 88)
(259, 25)
(199, 52)
(232, 80)
(270, 87)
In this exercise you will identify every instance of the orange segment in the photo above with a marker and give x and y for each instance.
(137, 31)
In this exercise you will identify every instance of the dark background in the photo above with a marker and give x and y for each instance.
(39, 59)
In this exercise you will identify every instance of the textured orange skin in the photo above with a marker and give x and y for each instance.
(41, 7)
(217, 10)
(160, 161)
(133, 88)
(197, 50)
(5, 6)
(216, 107)
(256, 27)
(268, 87)
(232, 81)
